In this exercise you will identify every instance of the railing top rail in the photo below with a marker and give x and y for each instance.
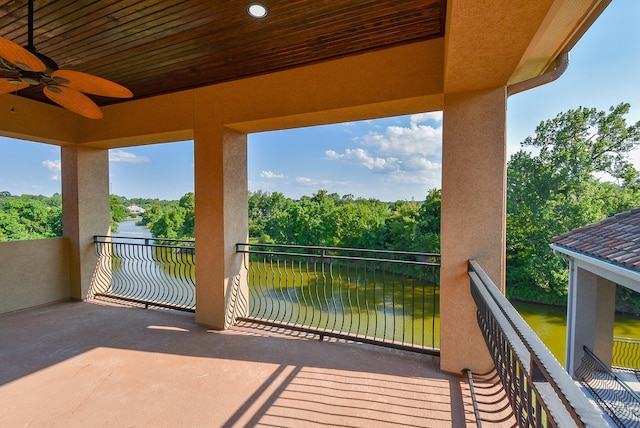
(330, 257)
(626, 339)
(247, 249)
(573, 399)
(131, 240)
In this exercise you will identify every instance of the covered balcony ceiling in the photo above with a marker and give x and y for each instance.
(159, 47)
(306, 63)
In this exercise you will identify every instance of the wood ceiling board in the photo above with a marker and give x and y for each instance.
(155, 47)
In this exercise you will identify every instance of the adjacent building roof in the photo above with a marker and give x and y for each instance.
(615, 240)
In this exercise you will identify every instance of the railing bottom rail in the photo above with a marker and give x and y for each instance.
(337, 335)
(145, 303)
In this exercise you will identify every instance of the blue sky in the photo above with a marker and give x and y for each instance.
(388, 159)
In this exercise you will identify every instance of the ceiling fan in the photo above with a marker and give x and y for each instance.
(22, 67)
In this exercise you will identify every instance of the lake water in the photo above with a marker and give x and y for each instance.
(129, 228)
(549, 322)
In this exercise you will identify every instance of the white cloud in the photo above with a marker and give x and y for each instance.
(364, 158)
(333, 155)
(401, 141)
(422, 164)
(435, 116)
(407, 155)
(54, 166)
(306, 181)
(427, 179)
(117, 155)
(310, 182)
(634, 157)
(271, 175)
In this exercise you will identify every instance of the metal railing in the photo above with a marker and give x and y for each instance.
(626, 353)
(144, 271)
(541, 392)
(388, 298)
(621, 403)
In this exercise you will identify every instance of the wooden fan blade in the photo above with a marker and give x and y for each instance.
(19, 56)
(90, 84)
(9, 85)
(73, 100)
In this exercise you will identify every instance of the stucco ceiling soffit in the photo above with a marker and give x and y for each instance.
(34, 121)
(485, 40)
(565, 23)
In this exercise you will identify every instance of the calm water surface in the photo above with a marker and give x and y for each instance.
(129, 228)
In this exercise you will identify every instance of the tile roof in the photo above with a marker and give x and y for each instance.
(615, 239)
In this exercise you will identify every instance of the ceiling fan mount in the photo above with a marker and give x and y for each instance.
(25, 67)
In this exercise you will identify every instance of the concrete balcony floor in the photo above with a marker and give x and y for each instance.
(80, 364)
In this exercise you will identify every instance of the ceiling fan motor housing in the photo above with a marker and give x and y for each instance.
(48, 62)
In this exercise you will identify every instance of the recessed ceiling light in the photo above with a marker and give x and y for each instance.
(257, 10)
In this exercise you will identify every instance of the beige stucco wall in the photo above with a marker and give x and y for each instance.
(473, 224)
(33, 273)
(85, 200)
(221, 221)
(400, 80)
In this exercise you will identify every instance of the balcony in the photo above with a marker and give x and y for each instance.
(92, 364)
(67, 364)
(296, 294)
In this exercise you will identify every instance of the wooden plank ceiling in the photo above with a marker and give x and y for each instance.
(162, 46)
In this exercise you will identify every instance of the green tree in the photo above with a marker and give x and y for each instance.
(402, 231)
(29, 217)
(267, 213)
(118, 210)
(558, 189)
(170, 224)
(187, 230)
(151, 215)
(309, 221)
(274, 212)
(360, 223)
(429, 222)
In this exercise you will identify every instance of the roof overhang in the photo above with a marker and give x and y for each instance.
(629, 278)
(565, 23)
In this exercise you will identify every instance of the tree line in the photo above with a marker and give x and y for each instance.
(29, 216)
(325, 219)
(573, 171)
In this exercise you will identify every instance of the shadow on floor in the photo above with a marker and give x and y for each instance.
(79, 364)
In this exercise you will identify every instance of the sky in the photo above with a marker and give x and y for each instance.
(387, 159)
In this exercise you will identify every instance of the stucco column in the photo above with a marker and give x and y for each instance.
(221, 221)
(473, 218)
(590, 316)
(85, 210)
